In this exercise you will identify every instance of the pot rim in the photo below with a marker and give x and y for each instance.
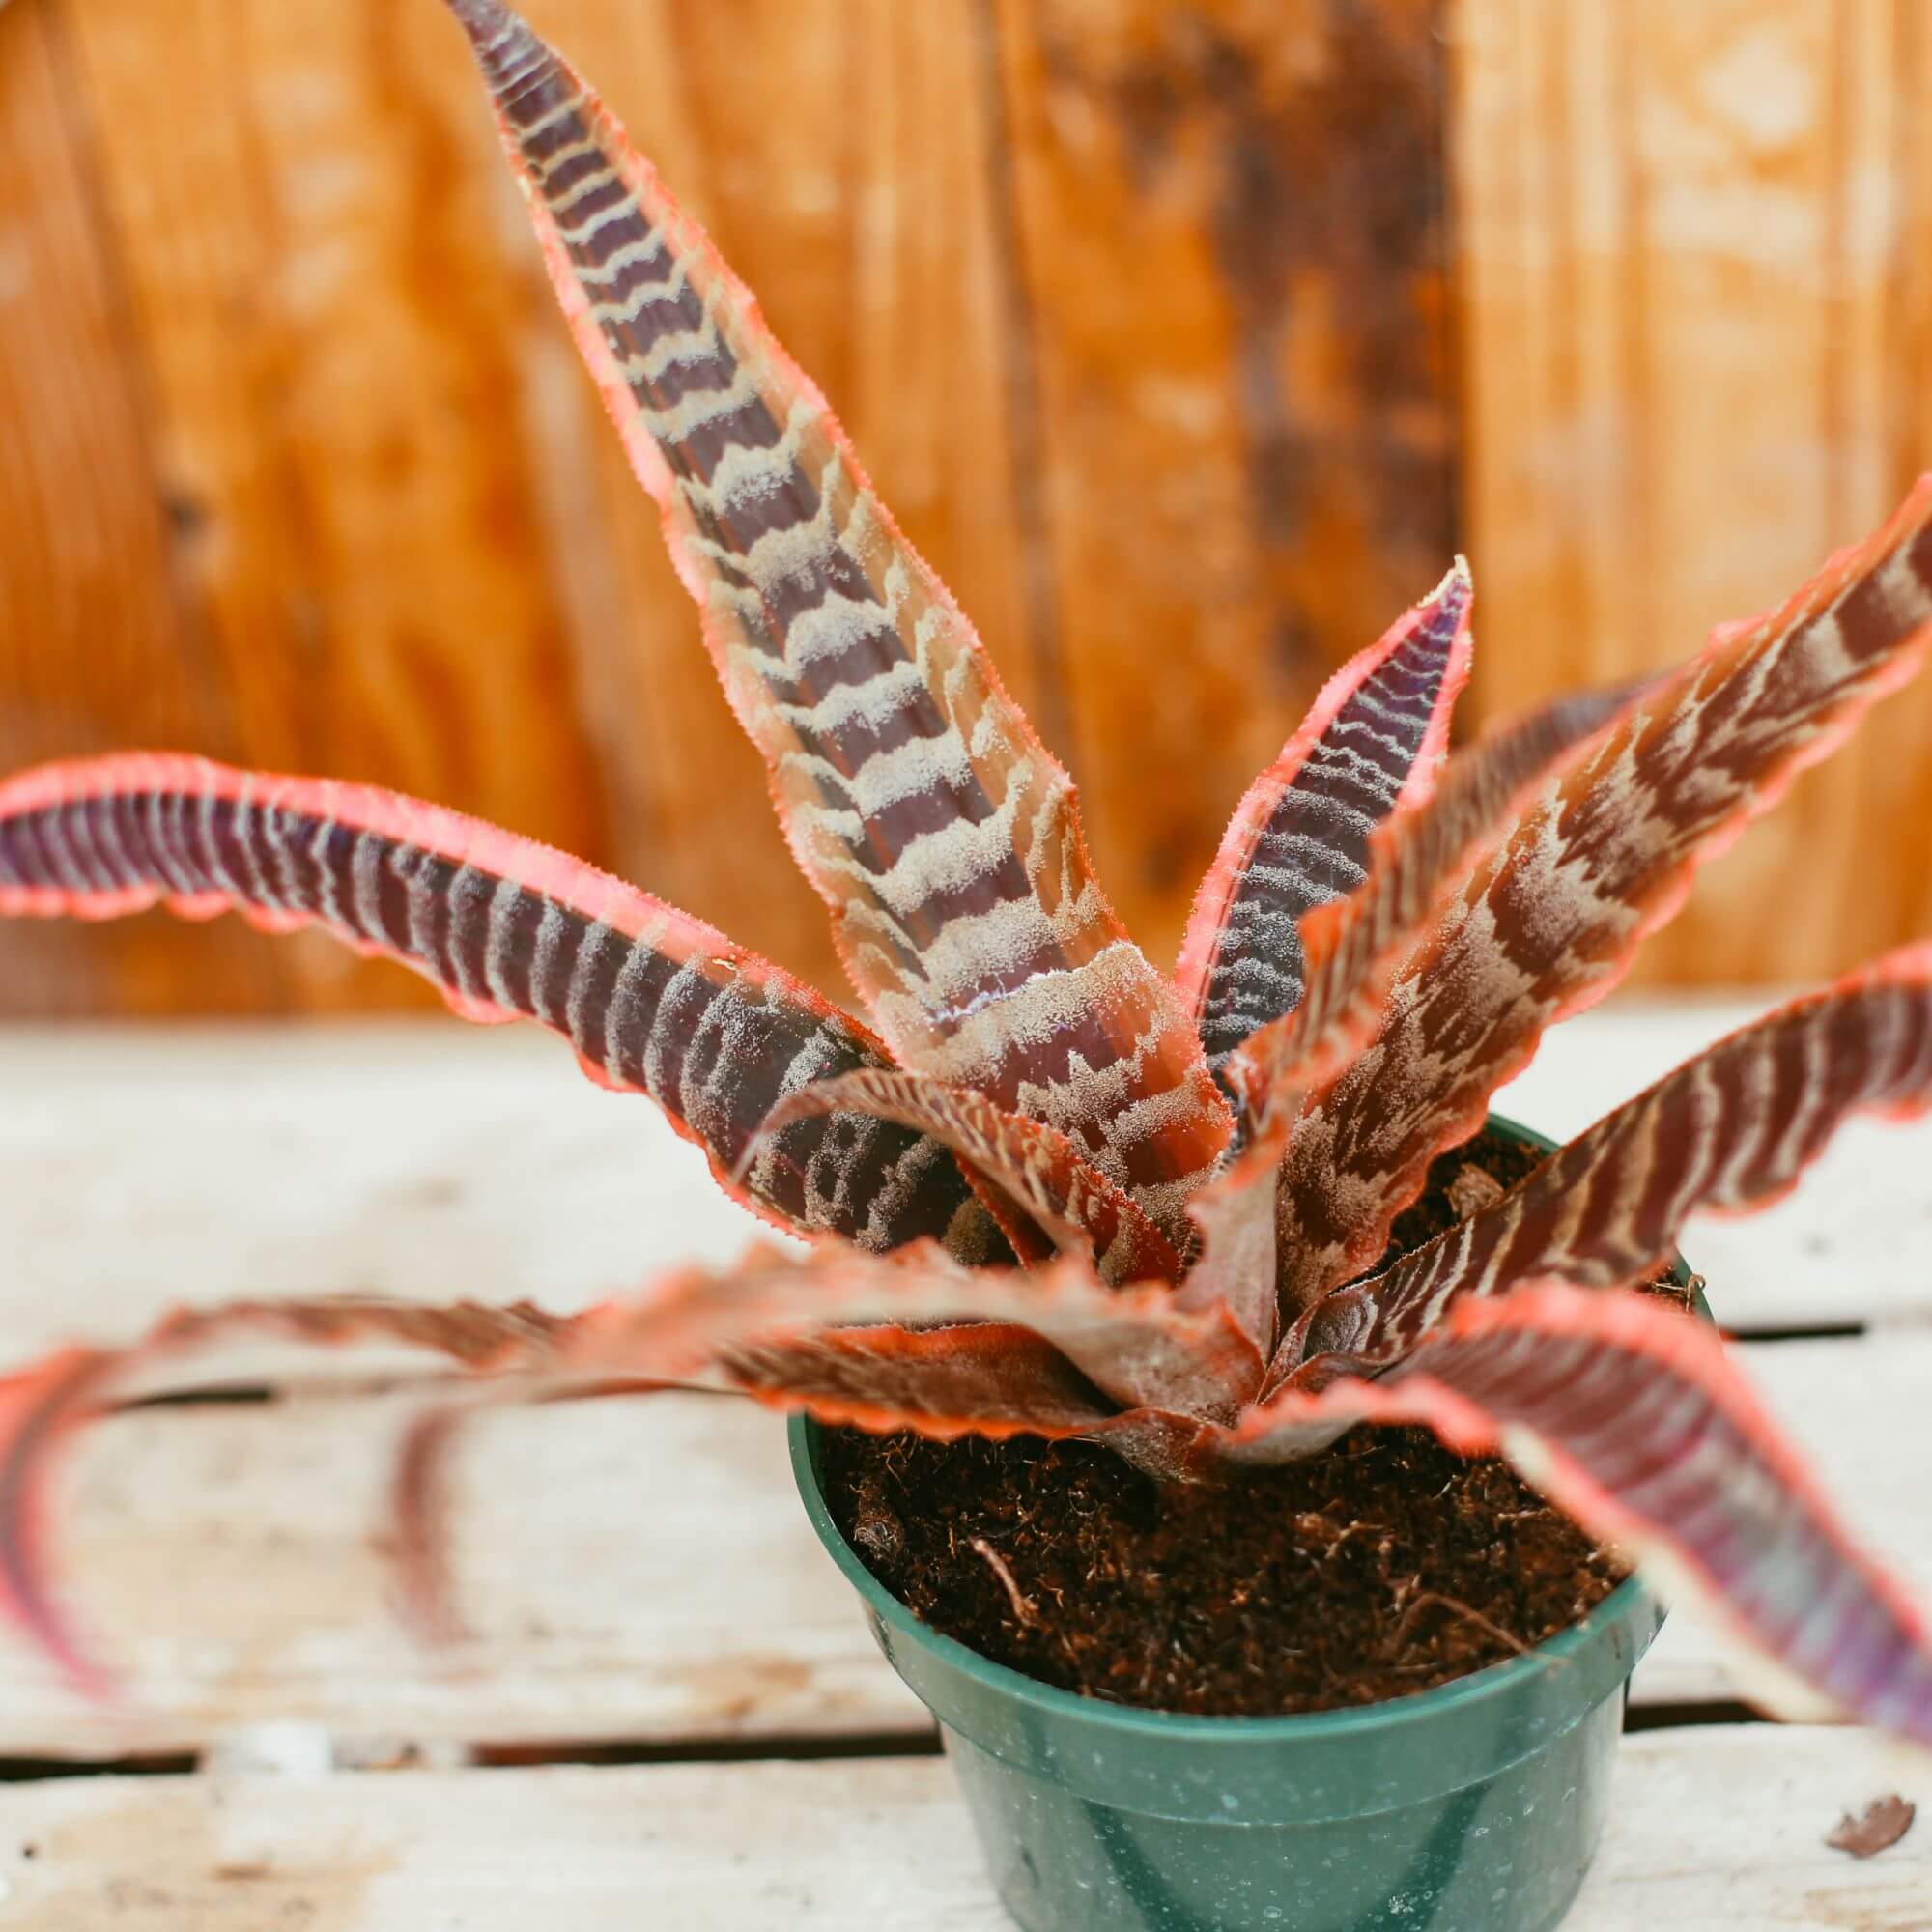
(1474, 1689)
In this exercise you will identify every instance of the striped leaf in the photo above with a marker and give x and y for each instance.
(1547, 924)
(1233, 1220)
(996, 1379)
(1131, 1343)
(915, 795)
(992, 1379)
(1039, 1172)
(42, 1406)
(1052, 1353)
(1299, 837)
(1732, 1129)
(1352, 947)
(653, 1001)
(981, 1377)
(1631, 1416)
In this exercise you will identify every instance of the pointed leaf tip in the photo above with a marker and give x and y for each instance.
(928, 816)
(1036, 1167)
(1601, 857)
(1730, 1130)
(505, 47)
(1372, 740)
(1634, 1418)
(480, 18)
(517, 922)
(36, 1407)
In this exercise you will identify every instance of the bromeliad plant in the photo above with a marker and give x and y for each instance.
(1055, 1193)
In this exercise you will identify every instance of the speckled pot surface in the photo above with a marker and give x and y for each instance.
(1475, 1807)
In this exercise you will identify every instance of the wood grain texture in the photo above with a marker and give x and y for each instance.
(1232, 245)
(1695, 303)
(98, 637)
(628, 1573)
(845, 173)
(425, 1159)
(1082, 284)
(1714, 1827)
(1150, 322)
(437, 1160)
(323, 305)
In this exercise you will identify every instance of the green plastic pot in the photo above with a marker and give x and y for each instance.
(1475, 1807)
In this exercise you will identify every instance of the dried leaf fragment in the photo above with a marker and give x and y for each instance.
(1877, 1827)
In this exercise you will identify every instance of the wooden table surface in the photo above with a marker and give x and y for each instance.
(668, 1713)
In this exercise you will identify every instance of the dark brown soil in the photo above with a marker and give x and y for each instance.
(1384, 1566)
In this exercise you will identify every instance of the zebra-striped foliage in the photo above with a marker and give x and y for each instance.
(651, 999)
(1299, 837)
(916, 796)
(1732, 1129)
(1030, 1208)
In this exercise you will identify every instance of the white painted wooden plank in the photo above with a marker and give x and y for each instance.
(686, 1848)
(636, 1573)
(1709, 1828)
(628, 1571)
(152, 1166)
(429, 1160)
(1725, 1827)
(636, 1570)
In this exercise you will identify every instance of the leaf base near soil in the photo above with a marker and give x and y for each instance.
(1383, 1567)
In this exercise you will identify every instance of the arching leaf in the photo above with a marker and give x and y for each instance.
(1351, 946)
(652, 1000)
(1631, 1416)
(1732, 1129)
(915, 794)
(845, 1334)
(1041, 1171)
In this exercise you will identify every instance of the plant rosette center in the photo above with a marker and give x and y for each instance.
(1383, 1567)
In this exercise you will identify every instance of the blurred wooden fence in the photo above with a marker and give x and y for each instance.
(1189, 341)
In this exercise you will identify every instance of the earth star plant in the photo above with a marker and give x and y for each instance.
(1055, 1193)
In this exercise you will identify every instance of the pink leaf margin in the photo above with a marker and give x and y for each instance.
(1201, 942)
(571, 882)
(1673, 1344)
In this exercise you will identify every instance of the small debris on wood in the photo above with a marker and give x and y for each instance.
(1880, 1825)
(394, 1753)
(1471, 1190)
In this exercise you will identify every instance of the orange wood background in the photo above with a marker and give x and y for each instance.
(1189, 342)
